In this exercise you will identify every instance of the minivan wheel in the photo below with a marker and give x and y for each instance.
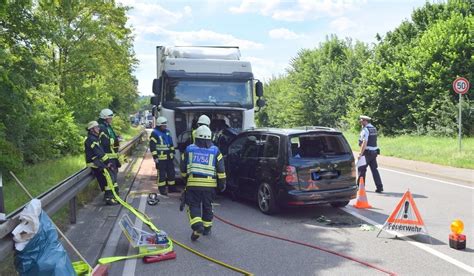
(339, 204)
(266, 199)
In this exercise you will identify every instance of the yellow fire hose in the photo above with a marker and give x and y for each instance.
(143, 217)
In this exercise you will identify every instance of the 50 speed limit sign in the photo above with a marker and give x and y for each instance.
(461, 85)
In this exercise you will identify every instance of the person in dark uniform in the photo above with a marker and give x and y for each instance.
(98, 161)
(162, 149)
(202, 121)
(369, 149)
(109, 140)
(203, 169)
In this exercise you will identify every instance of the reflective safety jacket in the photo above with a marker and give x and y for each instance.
(203, 167)
(108, 139)
(95, 155)
(161, 144)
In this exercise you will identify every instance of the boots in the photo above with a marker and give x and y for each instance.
(163, 190)
(173, 189)
(110, 201)
(207, 231)
(197, 233)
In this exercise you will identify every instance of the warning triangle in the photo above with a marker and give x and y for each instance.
(406, 217)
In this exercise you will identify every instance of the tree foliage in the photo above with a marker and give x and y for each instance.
(404, 81)
(61, 62)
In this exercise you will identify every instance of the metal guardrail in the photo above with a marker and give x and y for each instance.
(55, 198)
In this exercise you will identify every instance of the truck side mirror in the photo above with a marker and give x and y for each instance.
(155, 100)
(261, 103)
(157, 87)
(259, 89)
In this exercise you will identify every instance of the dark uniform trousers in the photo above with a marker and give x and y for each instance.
(199, 201)
(371, 159)
(100, 175)
(165, 172)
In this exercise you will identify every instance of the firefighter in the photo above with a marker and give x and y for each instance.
(202, 121)
(162, 149)
(203, 169)
(98, 161)
(109, 140)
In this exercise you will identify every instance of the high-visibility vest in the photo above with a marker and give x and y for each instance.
(201, 166)
(164, 149)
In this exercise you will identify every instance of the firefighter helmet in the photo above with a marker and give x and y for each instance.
(161, 121)
(153, 199)
(92, 124)
(204, 120)
(203, 132)
(106, 113)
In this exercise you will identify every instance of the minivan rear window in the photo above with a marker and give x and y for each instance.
(318, 145)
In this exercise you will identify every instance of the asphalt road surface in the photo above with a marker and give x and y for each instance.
(346, 232)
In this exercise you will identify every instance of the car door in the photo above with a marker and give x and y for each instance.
(268, 168)
(233, 161)
(247, 177)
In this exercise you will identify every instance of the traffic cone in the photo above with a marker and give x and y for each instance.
(362, 202)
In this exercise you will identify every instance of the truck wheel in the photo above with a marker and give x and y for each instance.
(339, 204)
(266, 199)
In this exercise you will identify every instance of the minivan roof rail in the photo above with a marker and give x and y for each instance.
(315, 128)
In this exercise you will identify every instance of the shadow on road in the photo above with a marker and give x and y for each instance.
(398, 195)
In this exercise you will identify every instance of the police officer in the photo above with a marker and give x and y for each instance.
(369, 149)
(203, 169)
(162, 149)
(98, 161)
(202, 121)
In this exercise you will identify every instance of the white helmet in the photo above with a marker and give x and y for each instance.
(161, 121)
(92, 124)
(203, 132)
(106, 114)
(204, 120)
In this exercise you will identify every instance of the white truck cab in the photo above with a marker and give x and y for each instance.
(212, 80)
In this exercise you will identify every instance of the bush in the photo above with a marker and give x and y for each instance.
(52, 130)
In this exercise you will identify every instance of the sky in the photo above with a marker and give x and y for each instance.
(269, 33)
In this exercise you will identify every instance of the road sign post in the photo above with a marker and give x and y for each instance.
(2, 203)
(460, 86)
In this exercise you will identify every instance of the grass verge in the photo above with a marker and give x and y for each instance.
(436, 150)
(40, 177)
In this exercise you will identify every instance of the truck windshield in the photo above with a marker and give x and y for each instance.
(202, 92)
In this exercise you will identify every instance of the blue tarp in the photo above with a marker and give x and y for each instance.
(44, 254)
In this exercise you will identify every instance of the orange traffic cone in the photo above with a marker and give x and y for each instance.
(362, 202)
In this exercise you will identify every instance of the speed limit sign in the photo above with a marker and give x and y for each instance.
(461, 85)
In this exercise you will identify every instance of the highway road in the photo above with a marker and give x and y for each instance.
(346, 243)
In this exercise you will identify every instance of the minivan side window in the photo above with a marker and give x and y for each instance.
(236, 147)
(272, 146)
(251, 146)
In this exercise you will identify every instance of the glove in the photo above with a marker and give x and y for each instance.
(221, 187)
(182, 199)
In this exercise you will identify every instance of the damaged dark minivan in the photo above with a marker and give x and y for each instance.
(291, 167)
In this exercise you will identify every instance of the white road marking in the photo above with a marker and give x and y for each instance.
(131, 264)
(352, 211)
(428, 178)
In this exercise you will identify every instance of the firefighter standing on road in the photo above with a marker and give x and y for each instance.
(203, 169)
(98, 160)
(369, 149)
(162, 149)
(109, 141)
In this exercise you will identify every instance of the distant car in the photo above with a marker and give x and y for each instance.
(291, 167)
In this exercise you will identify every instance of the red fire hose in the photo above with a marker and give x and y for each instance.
(307, 245)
